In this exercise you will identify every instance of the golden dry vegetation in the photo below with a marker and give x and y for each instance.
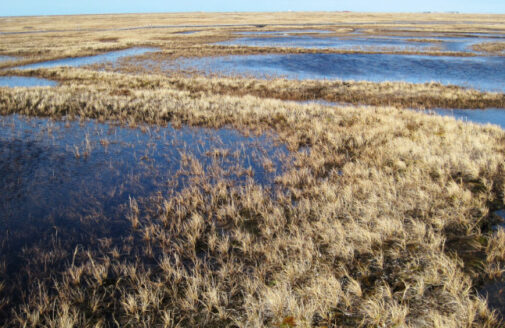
(383, 220)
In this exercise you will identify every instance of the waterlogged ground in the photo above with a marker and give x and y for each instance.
(23, 81)
(482, 73)
(112, 56)
(77, 181)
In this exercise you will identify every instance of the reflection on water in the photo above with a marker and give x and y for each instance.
(66, 185)
(79, 177)
(483, 73)
(112, 56)
(23, 81)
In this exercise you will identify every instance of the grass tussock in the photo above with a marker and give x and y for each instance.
(383, 220)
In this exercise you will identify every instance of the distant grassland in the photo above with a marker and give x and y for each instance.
(52, 37)
(386, 220)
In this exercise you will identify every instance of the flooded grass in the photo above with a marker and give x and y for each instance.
(74, 183)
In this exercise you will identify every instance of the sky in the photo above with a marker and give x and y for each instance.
(62, 7)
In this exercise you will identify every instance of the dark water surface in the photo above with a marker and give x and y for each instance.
(23, 81)
(79, 177)
(482, 73)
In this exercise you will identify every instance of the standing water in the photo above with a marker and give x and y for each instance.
(112, 56)
(482, 73)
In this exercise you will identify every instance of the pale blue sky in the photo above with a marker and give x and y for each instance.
(49, 7)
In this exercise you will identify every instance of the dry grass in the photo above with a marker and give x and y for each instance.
(384, 221)
(495, 48)
(399, 94)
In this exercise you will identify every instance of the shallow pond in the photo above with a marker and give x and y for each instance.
(23, 81)
(483, 73)
(79, 177)
(482, 116)
(112, 56)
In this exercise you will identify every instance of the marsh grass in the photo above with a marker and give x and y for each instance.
(495, 48)
(398, 94)
(383, 220)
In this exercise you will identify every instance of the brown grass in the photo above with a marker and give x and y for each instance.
(399, 94)
(490, 47)
(373, 226)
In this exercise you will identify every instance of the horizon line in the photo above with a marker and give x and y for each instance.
(455, 12)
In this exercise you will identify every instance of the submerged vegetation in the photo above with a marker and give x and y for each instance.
(380, 216)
